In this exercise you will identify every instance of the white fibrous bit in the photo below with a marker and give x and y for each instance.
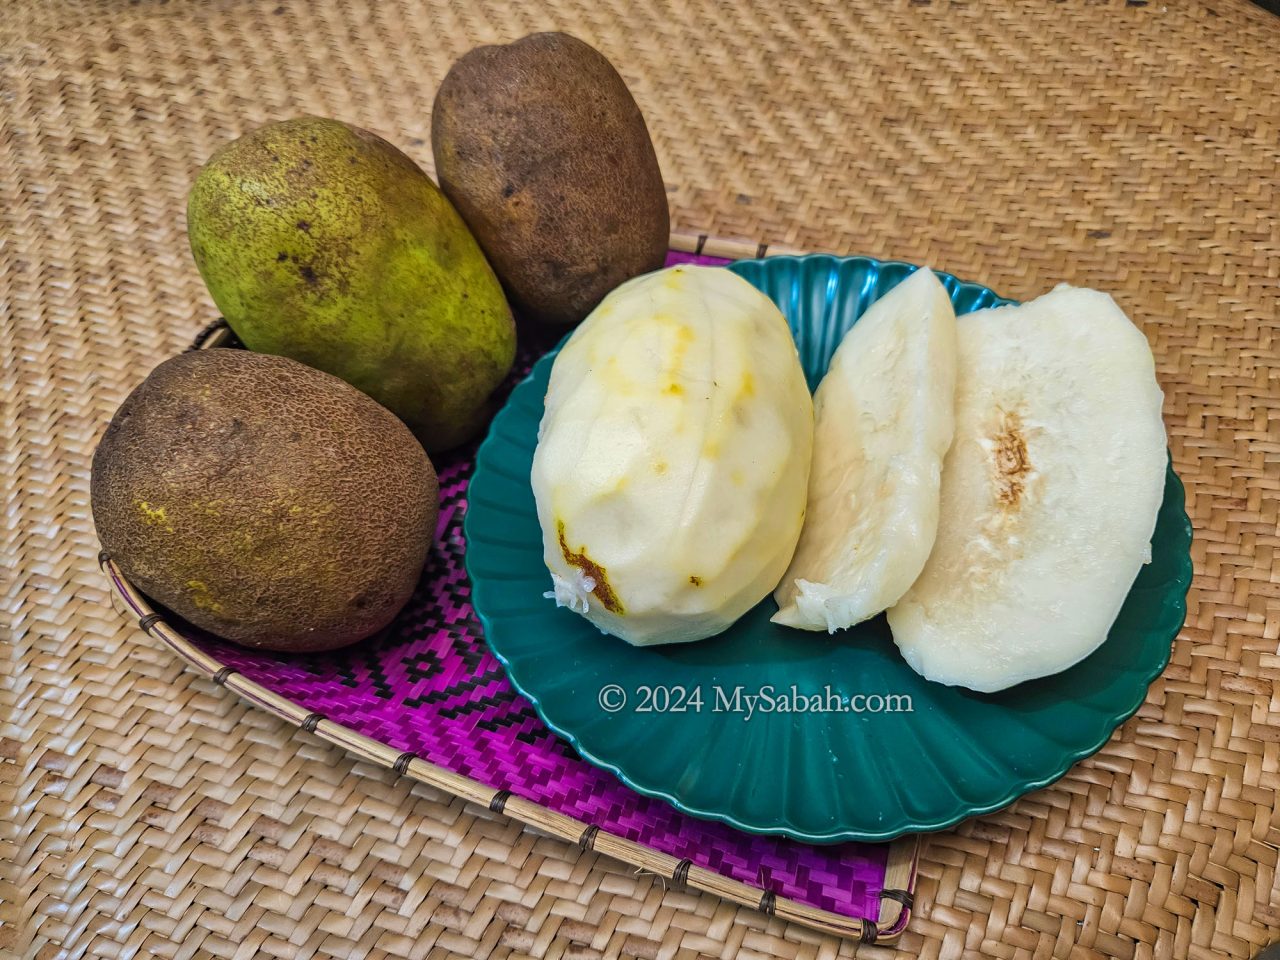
(573, 593)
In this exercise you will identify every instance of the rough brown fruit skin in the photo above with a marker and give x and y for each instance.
(542, 149)
(264, 501)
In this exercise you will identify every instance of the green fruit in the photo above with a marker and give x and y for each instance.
(322, 242)
(263, 501)
(544, 152)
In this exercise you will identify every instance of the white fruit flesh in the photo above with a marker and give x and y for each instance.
(1049, 493)
(884, 417)
(673, 456)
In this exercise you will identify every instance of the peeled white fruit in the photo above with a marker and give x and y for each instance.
(673, 456)
(1049, 493)
(884, 417)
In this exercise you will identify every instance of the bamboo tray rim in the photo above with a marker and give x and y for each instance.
(896, 895)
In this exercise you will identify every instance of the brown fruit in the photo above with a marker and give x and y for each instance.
(264, 501)
(544, 152)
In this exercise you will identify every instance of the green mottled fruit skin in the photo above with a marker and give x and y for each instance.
(324, 243)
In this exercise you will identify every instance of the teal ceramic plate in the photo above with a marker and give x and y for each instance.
(816, 776)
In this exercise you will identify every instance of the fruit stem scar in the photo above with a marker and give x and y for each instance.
(601, 589)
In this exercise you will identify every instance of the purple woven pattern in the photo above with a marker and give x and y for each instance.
(429, 685)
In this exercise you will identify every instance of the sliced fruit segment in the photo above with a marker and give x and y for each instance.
(1049, 493)
(884, 423)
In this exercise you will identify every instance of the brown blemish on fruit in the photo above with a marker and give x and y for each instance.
(602, 590)
(696, 581)
(1009, 461)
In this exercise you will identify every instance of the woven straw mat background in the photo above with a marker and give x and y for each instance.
(1130, 146)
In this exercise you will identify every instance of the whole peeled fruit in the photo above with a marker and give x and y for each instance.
(673, 456)
(544, 152)
(322, 242)
(263, 501)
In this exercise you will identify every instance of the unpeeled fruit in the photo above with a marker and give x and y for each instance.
(544, 152)
(322, 242)
(263, 501)
(673, 457)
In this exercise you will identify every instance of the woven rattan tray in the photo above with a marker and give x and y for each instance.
(892, 870)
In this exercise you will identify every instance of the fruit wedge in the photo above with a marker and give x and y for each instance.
(1049, 493)
(884, 423)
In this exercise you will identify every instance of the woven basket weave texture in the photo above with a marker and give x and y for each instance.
(1130, 146)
